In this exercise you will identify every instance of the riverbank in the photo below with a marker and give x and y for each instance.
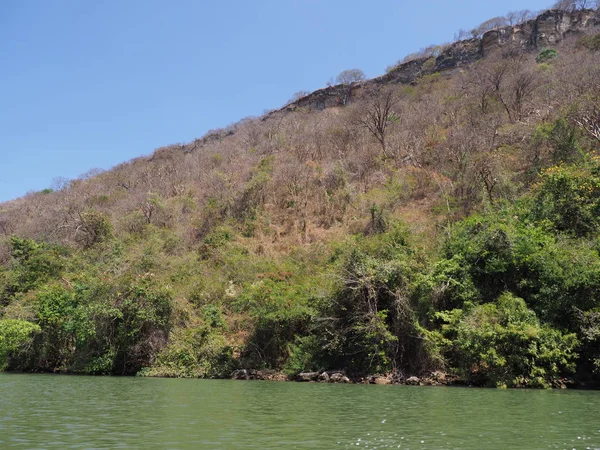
(436, 378)
(338, 376)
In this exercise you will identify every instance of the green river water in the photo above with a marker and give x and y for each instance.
(64, 412)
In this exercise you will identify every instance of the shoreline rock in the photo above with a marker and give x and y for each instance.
(436, 378)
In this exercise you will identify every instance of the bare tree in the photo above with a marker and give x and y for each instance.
(491, 24)
(461, 35)
(90, 173)
(378, 116)
(150, 206)
(512, 85)
(589, 120)
(6, 227)
(574, 5)
(350, 76)
(297, 96)
(522, 86)
(517, 17)
(489, 180)
(60, 183)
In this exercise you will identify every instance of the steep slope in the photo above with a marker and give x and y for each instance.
(382, 226)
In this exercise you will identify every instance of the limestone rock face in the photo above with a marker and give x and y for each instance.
(546, 30)
(458, 54)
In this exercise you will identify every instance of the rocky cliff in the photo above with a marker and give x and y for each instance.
(546, 30)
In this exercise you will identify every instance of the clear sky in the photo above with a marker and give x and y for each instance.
(89, 84)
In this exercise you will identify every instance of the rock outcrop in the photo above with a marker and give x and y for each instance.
(546, 30)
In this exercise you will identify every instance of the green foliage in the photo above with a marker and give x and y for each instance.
(368, 324)
(254, 193)
(486, 248)
(305, 354)
(213, 316)
(34, 263)
(194, 353)
(546, 55)
(591, 42)
(61, 323)
(214, 241)
(146, 320)
(503, 344)
(561, 137)
(448, 285)
(503, 252)
(14, 334)
(95, 326)
(280, 309)
(55, 304)
(588, 330)
(429, 65)
(378, 223)
(94, 228)
(569, 197)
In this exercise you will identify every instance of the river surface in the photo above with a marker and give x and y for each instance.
(64, 412)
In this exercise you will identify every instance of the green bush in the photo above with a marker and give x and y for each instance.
(504, 344)
(587, 326)
(305, 354)
(34, 263)
(569, 197)
(93, 229)
(546, 55)
(142, 331)
(369, 324)
(280, 308)
(14, 334)
(562, 138)
(99, 326)
(194, 353)
(591, 42)
(505, 252)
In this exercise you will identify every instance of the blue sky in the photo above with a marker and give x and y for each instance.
(90, 84)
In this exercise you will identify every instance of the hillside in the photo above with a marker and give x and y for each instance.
(442, 218)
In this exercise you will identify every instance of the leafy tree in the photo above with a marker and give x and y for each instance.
(34, 263)
(14, 334)
(569, 197)
(145, 321)
(507, 252)
(562, 138)
(370, 323)
(93, 228)
(504, 344)
(201, 352)
(280, 309)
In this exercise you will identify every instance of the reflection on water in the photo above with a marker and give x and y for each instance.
(46, 411)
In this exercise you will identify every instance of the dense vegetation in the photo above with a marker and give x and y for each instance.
(451, 224)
